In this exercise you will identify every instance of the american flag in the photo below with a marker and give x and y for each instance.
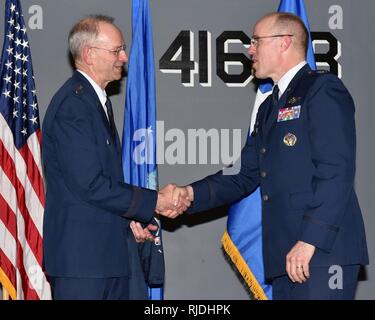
(21, 182)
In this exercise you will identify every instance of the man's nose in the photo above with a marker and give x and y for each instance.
(251, 50)
(123, 57)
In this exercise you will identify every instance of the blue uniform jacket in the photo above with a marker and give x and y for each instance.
(303, 158)
(87, 204)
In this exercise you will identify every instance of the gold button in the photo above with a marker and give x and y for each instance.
(263, 150)
(263, 174)
(265, 197)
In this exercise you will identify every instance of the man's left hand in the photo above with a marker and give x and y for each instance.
(142, 234)
(297, 261)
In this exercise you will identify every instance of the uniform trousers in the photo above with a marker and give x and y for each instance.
(89, 288)
(325, 283)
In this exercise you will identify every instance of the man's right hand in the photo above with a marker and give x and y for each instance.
(173, 200)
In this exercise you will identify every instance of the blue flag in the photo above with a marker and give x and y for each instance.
(242, 240)
(139, 133)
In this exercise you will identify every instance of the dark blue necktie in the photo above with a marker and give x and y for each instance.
(275, 95)
(108, 105)
(274, 101)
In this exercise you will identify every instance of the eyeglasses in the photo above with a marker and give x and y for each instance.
(116, 51)
(254, 41)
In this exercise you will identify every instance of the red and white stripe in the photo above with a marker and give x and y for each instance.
(21, 216)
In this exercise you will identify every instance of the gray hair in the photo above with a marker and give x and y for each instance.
(85, 31)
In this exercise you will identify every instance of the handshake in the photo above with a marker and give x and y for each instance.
(173, 200)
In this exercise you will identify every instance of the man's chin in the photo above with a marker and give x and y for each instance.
(117, 76)
(255, 73)
(258, 75)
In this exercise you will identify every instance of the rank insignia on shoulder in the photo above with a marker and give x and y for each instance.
(78, 89)
(290, 113)
(290, 139)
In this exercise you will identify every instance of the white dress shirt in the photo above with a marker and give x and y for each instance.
(283, 83)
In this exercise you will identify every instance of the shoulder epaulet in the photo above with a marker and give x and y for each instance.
(322, 71)
(318, 72)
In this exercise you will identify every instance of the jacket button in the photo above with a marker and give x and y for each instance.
(263, 150)
(263, 174)
(265, 197)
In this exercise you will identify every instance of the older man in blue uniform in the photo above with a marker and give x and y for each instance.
(302, 153)
(88, 206)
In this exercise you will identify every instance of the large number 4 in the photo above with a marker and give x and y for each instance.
(182, 46)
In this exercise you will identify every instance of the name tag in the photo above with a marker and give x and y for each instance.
(291, 113)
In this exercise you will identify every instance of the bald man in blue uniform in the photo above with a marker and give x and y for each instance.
(302, 153)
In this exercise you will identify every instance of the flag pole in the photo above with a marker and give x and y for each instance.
(5, 294)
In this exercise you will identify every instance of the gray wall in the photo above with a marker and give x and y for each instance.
(196, 268)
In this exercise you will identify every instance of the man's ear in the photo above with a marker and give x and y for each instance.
(87, 55)
(286, 43)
